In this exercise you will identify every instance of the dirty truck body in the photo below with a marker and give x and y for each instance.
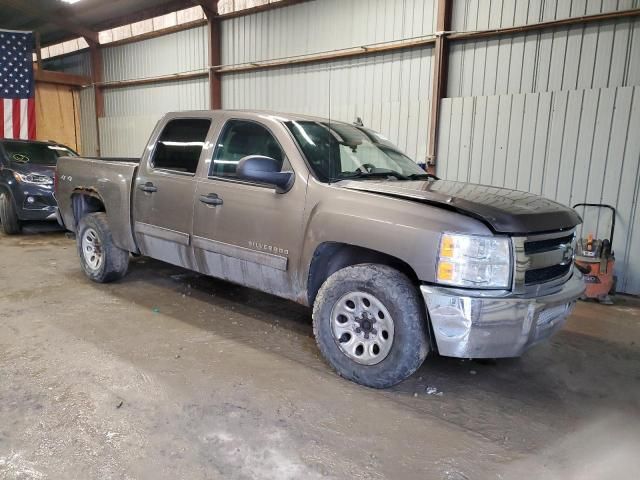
(394, 262)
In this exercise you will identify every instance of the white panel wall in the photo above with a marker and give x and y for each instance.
(323, 25)
(185, 51)
(605, 54)
(132, 112)
(574, 146)
(391, 93)
(468, 15)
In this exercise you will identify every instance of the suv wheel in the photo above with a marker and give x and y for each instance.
(8, 215)
(370, 325)
(101, 260)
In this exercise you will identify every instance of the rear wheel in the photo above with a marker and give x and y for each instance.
(370, 325)
(8, 215)
(101, 260)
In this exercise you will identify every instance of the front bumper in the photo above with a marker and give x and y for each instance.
(34, 202)
(476, 326)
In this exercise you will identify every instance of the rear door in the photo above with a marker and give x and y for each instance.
(242, 231)
(164, 191)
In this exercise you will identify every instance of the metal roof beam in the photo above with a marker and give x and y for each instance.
(59, 17)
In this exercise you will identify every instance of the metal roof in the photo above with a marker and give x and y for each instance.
(55, 20)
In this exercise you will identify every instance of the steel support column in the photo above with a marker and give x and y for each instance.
(210, 9)
(97, 78)
(439, 79)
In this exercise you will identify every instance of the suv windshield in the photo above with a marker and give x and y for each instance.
(35, 153)
(336, 151)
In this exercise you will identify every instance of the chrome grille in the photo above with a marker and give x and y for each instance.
(543, 260)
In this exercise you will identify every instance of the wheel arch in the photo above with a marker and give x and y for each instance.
(329, 257)
(84, 202)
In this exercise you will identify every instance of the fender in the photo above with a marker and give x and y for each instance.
(405, 230)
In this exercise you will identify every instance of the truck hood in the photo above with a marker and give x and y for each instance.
(503, 210)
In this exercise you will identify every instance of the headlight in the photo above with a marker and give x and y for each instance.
(474, 261)
(33, 178)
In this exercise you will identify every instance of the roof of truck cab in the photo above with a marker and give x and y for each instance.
(282, 116)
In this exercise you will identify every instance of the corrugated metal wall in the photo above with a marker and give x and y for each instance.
(323, 25)
(132, 112)
(468, 15)
(184, 51)
(390, 92)
(594, 56)
(554, 113)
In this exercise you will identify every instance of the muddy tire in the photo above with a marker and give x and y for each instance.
(101, 260)
(370, 325)
(8, 215)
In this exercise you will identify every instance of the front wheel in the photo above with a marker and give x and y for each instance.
(101, 260)
(370, 325)
(8, 215)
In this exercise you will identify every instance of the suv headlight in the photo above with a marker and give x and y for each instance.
(474, 261)
(33, 178)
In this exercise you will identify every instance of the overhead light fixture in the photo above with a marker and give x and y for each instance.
(70, 1)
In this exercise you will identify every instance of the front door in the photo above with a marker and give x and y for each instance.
(164, 191)
(244, 232)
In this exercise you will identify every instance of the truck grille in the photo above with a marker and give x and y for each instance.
(537, 246)
(543, 259)
(545, 274)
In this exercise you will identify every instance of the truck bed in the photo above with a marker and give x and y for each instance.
(114, 159)
(109, 180)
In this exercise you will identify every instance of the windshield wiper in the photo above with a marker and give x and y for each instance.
(422, 176)
(385, 174)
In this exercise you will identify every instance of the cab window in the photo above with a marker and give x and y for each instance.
(180, 144)
(239, 139)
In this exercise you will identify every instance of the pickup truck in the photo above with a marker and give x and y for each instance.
(394, 262)
(26, 181)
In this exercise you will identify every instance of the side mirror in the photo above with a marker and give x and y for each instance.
(261, 169)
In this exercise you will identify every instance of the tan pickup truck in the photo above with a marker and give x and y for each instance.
(394, 262)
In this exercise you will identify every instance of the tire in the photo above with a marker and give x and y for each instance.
(8, 215)
(100, 259)
(394, 303)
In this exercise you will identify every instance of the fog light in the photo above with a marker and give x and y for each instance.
(30, 200)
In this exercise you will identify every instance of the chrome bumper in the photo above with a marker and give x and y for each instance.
(476, 326)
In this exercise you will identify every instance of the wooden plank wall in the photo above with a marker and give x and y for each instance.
(58, 114)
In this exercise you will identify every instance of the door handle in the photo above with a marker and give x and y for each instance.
(211, 199)
(148, 187)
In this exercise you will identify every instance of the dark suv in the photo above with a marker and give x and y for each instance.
(26, 181)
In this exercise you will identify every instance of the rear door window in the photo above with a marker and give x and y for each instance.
(180, 144)
(239, 139)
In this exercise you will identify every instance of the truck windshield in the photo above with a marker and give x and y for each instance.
(337, 151)
(35, 153)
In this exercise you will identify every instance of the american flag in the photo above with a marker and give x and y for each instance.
(17, 91)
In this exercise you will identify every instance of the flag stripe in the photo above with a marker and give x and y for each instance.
(15, 119)
(31, 108)
(8, 122)
(24, 118)
(18, 118)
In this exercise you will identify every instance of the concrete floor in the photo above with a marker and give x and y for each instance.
(169, 375)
